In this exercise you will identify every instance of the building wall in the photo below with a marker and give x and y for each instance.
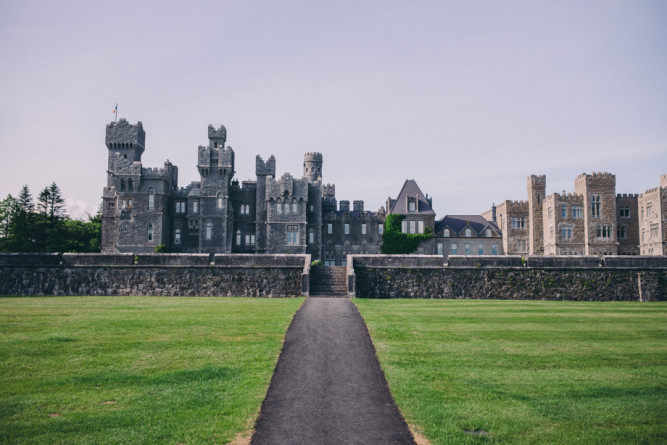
(602, 186)
(627, 217)
(516, 240)
(653, 220)
(559, 214)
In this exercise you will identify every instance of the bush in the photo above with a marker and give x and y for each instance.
(316, 263)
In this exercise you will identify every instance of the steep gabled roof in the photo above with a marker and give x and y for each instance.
(411, 190)
(457, 223)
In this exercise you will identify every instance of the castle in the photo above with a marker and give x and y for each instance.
(144, 208)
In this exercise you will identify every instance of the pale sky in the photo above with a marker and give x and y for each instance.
(466, 97)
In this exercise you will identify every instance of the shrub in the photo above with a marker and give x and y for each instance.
(396, 242)
(316, 263)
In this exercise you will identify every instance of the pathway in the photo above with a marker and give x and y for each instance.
(328, 387)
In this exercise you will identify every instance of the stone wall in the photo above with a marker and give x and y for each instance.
(156, 274)
(539, 278)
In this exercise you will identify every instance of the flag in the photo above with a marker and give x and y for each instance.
(115, 109)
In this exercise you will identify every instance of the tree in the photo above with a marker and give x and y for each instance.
(51, 234)
(22, 227)
(7, 208)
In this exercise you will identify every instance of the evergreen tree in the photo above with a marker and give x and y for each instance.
(7, 208)
(22, 227)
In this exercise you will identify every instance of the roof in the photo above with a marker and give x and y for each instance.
(459, 222)
(410, 190)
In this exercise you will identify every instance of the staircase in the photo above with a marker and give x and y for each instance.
(328, 281)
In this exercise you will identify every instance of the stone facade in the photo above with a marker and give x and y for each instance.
(653, 219)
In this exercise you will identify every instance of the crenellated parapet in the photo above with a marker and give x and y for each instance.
(267, 168)
(286, 187)
(123, 135)
(329, 190)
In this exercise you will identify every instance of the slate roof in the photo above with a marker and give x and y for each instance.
(457, 223)
(411, 189)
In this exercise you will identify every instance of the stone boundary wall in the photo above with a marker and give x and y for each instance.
(154, 274)
(510, 278)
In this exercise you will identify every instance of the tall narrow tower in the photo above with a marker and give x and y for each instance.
(537, 185)
(312, 166)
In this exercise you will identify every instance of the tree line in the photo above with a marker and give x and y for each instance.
(43, 225)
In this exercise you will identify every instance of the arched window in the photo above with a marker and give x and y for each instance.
(446, 233)
(468, 233)
(295, 207)
(208, 231)
(122, 185)
(151, 198)
(488, 233)
(177, 236)
(219, 200)
(150, 232)
(130, 185)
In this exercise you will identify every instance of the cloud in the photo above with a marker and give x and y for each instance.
(77, 209)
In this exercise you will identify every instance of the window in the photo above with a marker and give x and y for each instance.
(412, 204)
(150, 232)
(287, 207)
(413, 226)
(404, 226)
(180, 206)
(467, 248)
(151, 199)
(295, 207)
(488, 233)
(642, 213)
(468, 233)
(603, 231)
(130, 185)
(343, 261)
(518, 223)
(649, 209)
(220, 202)
(622, 232)
(250, 240)
(563, 212)
(329, 229)
(550, 213)
(420, 226)
(454, 249)
(208, 230)
(624, 212)
(595, 206)
(551, 232)
(177, 236)
(566, 232)
(122, 185)
(494, 249)
(445, 233)
(480, 249)
(521, 245)
(195, 206)
(380, 229)
(311, 236)
(347, 229)
(329, 258)
(238, 237)
(654, 230)
(279, 207)
(292, 234)
(440, 249)
(577, 212)
(363, 229)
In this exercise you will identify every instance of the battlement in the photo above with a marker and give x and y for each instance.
(329, 190)
(517, 203)
(312, 157)
(597, 175)
(358, 206)
(663, 180)
(650, 191)
(569, 197)
(123, 135)
(220, 133)
(154, 172)
(627, 195)
(267, 168)
(537, 179)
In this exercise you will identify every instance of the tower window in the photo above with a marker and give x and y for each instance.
(295, 207)
(150, 232)
(563, 212)
(238, 237)
(220, 202)
(329, 229)
(151, 199)
(122, 185)
(595, 206)
(577, 212)
(347, 229)
(177, 236)
(195, 207)
(380, 229)
(363, 229)
(292, 234)
(208, 231)
(311, 236)
(130, 185)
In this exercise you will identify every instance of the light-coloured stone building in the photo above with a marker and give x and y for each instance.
(653, 219)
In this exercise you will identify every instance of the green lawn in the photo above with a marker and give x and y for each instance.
(525, 372)
(136, 369)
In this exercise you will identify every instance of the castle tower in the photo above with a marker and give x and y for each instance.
(262, 170)
(312, 166)
(216, 168)
(599, 201)
(537, 185)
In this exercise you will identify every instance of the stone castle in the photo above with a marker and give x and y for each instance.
(144, 208)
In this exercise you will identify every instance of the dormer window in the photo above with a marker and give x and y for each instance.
(446, 233)
(468, 233)
(488, 233)
(412, 204)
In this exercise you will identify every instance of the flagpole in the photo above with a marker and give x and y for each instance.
(116, 113)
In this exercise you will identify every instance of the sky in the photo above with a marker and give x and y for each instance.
(466, 97)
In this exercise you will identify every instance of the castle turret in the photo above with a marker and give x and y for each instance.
(537, 185)
(217, 138)
(312, 166)
(262, 170)
(126, 139)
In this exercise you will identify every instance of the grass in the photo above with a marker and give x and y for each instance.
(525, 372)
(136, 369)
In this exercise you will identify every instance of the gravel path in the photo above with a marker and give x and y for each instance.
(328, 387)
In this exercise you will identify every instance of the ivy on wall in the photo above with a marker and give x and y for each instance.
(396, 242)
